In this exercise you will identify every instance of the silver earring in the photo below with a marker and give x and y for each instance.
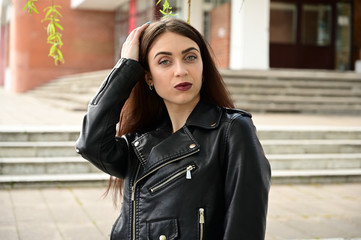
(150, 87)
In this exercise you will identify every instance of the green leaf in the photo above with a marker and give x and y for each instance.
(53, 49)
(30, 6)
(26, 6)
(47, 8)
(158, 2)
(59, 26)
(51, 38)
(47, 13)
(59, 53)
(51, 29)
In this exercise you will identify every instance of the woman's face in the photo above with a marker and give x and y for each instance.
(176, 67)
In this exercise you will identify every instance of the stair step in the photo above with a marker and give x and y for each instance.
(282, 91)
(316, 176)
(299, 108)
(293, 83)
(53, 180)
(310, 146)
(308, 132)
(84, 76)
(50, 165)
(294, 74)
(69, 96)
(37, 149)
(350, 100)
(68, 104)
(314, 161)
(36, 134)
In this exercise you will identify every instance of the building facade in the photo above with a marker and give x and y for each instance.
(244, 34)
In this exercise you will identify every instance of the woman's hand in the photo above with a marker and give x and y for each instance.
(130, 47)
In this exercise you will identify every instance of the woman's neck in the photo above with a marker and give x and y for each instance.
(179, 114)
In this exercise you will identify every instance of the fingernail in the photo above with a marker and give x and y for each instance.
(148, 22)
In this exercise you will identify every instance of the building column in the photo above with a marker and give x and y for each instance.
(249, 48)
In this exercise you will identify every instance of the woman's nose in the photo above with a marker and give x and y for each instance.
(180, 69)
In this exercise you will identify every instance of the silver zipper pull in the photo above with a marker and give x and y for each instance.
(188, 173)
(133, 193)
(201, 215)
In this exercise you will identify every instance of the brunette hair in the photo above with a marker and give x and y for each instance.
(144, 109)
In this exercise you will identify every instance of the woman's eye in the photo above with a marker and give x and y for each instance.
(191, 58)
(164, 62)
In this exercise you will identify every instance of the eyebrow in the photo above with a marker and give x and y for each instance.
(183, 52)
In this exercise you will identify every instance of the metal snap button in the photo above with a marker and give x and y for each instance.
(192, 146)
(162, 237)
(213, 124)
(136, 144)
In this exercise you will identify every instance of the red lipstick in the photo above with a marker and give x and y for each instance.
(184, 86)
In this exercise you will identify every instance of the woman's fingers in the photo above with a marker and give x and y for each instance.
(130, 48)
(139, 30)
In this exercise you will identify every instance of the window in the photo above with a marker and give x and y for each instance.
(343, 36)
(283, 22)
(316, 24)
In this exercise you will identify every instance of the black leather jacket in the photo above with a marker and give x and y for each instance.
(209, 180)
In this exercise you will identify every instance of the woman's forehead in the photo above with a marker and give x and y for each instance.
(172, 42)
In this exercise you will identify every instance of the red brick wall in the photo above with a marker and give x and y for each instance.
(356, 38)
(219, 38)
(88, 39)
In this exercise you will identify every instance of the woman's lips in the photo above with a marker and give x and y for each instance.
(184, 86)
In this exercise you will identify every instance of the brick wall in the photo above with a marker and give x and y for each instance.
(219, 38)
(88, 39)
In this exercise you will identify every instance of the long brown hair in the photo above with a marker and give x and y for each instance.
(144, 109)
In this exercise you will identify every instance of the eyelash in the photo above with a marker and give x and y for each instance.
(191, 56)
(187, 58)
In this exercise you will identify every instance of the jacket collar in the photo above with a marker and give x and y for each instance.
(156, 148)
(205, 116)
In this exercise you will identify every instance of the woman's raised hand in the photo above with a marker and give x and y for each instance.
(130, 47)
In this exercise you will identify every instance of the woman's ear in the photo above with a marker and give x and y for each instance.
(148, 78)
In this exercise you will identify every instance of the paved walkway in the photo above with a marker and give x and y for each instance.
(295, 212)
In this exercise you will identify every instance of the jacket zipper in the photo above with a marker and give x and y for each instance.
(186, 171)
(146, 175)
(133, 193)
(201, 223)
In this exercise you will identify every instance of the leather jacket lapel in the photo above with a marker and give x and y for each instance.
(205, 116)
(158, 147)
(172, 148)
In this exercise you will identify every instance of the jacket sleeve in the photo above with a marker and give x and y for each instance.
(97, 142)
(247, 182)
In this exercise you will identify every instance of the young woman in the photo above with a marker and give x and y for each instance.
(189, 165)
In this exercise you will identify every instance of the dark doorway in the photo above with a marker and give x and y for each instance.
(310, 34)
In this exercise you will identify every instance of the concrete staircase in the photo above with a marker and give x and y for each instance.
(39, 157)
(313, 154)
(71, 92)
(46, 157)
(297, 154)
(291, 91)
(267, 91)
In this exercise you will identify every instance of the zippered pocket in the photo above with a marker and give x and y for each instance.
(201, 223)
(186, 172)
